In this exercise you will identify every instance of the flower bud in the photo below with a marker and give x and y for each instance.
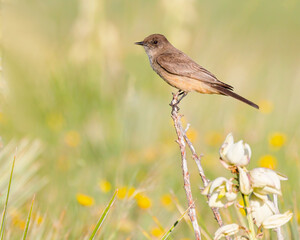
(261, 209)
(277, 220)
(222, 192)
(244, 181)
(226, 230)
(266, 181)
(237, 154)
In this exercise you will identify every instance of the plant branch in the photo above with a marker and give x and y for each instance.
(197, 159)
(181, 133)
(186, 176)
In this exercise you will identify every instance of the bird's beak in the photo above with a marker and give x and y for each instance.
(139, 43)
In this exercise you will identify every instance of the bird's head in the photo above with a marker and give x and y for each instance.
(154, 44)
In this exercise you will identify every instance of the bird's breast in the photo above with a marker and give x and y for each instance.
(184, 83)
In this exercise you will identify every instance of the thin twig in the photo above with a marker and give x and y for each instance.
(205, 181)
(186, 176)
(196, 158)
(181, 134)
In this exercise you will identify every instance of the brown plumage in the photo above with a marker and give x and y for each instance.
(181, 72)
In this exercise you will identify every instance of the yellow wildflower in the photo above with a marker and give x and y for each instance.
(17, 221)
(265, 106)
(39, 220)
(192, 134)
(84, 200)
(166, 200)
(157, 232)
(22, 224)
(131, 191)
(125, 192)
(277, 140)
(72, 138)
(143, 201)
(122, 192)
(104, 186)
(268, 161)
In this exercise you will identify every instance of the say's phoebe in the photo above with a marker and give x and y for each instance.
(181, 72)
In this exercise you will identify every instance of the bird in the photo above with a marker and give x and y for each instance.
(183, 73)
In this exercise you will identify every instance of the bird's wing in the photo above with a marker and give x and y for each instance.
(180, 64)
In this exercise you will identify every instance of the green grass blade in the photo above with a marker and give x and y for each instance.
(103, 216)
(28, 220)
(6, 201)
(167, 234)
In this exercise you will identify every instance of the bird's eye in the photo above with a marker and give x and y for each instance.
(155, 41)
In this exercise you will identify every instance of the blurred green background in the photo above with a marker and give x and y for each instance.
(73, 80)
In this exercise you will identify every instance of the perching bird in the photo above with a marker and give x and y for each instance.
(181, 72)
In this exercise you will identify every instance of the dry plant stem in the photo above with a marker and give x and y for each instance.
(205, 181)
(196, 158)
(186, 176)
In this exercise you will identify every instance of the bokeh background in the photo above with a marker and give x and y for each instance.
(88, 115)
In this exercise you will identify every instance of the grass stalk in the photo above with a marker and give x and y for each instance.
(28, 220)
(6, 201)
(103, 216)
(166, 235)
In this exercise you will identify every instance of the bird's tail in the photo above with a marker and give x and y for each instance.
(227, 92)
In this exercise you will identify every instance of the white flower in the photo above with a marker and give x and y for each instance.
(222, 192)
(244, 181)
(277, 220)
(226, 230)
(237, 154)
(266, 181)
(261, 209)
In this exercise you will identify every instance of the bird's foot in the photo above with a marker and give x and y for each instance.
(176, 99)
(182, 94)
